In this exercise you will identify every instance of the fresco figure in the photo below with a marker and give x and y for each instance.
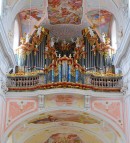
(65, 12)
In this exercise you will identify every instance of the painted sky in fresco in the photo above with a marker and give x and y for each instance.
(60, 116)
(64, 138)
(65, 11)
(64, 100)
(101, 18)
(29, 18)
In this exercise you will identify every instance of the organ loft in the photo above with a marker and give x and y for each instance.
(81, 62)
(64, 71)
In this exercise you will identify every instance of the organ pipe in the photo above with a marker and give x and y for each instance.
(86, 51)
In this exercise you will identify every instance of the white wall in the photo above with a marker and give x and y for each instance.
(7, 61)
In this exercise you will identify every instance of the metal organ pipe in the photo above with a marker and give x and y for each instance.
(34, 61)
(91, 61)
(41, 55)
(60, 72)
(37, 60)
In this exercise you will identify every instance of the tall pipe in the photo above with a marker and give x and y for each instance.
(69, 72)
(59, 71)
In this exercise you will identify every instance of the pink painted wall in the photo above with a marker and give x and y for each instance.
(17, 108)
(2, 116)
(127, 118)
(111, 108)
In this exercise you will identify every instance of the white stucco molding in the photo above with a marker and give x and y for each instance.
(123, 47)
(7, 50)
(63, 91)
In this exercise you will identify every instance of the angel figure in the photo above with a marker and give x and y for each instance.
(65, 45)
(78, 42)
(27, 38)
(91, 31)
(103, 37)
(52, 42)
(39, 30)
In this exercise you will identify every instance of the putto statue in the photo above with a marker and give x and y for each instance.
(39, 31)
(52, 42)
(24, 49)
(27, 38)
(78, 43)
(91, 31)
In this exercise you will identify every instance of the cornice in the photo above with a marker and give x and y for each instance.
(62, 91)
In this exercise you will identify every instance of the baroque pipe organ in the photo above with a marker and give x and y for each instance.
(35, 51)
(56, 61)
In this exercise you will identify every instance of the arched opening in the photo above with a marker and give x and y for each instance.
(16, 35)
(64, 122)
(1, 1)
(114, 35)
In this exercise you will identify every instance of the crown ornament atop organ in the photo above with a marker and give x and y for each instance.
(48, 61)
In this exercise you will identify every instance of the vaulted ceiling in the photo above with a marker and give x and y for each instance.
(66, 127)
(116, 2)
(66, 19)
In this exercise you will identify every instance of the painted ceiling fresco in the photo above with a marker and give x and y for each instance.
(101, 18)
(59, 116)
(52, 127)
(64, 138)
(29, 18)
(117, 2)
(65, 12)
(64, 18)
(68, 132)
(64, 100)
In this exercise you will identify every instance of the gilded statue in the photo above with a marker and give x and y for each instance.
(89, 31)
(65, 46)
(26, 47)
(103, 47)
(80, 49)
(39, 35)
